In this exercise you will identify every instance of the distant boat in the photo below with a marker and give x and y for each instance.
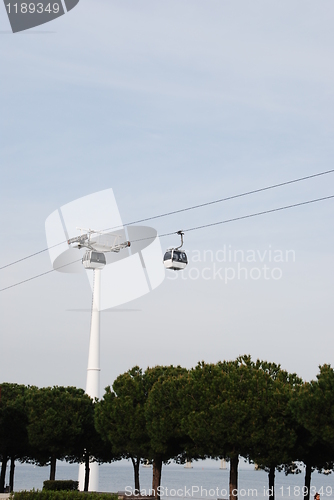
(147, 464)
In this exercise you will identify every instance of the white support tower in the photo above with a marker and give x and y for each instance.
(188, 465)
(93, 368)
(124, 278)
(93, 375)
(96, 261)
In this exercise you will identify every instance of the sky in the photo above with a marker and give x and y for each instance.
(172, 104)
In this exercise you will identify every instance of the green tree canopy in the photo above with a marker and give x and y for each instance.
(120, 418)
(130, 419)
(226, 405)
(163, 412)
(13, 428)
(274, 433)
(88, 445)
(313, 408)
(58, 419)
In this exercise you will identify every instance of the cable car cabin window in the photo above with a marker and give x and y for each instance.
(168, 256)
(94, 260)
(98, 257)
(179, 256)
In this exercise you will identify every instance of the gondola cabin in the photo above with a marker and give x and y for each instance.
(175, 260)
(94, 260)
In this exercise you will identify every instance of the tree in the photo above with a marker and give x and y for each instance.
(163, 419)
(320, 406)
(120, 418)
(13, 429)
(123, 414)
(313, 408)
(222, 405)
(217, 412)
(314, 453)
(88, 445)
(274, 430)
(57, 423)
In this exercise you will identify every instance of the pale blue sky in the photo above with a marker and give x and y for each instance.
(170, 104)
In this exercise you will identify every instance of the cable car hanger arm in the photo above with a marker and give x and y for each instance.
(181, 233)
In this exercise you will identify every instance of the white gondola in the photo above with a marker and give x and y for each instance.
(94, 260)
(174, 258)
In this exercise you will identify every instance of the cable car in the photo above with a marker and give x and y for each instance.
(94, 260)
(174, 258)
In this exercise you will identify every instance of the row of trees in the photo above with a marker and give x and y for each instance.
(230, 409)
(44, 425)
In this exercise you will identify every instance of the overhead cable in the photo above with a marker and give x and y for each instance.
(193, 207)
(196, 228)
(39, 275)
(220, 200)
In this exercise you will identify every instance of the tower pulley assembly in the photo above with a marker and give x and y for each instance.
(94, 258)
(174, 258)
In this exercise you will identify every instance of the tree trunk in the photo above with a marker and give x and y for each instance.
(53, 468)
(11, 474)
(156, 481)
(87, 470)
(234, 478)
(272, 483)
(3, 472)
(308, 472)
(135, 463)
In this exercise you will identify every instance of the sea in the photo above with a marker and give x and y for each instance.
(201, 482)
